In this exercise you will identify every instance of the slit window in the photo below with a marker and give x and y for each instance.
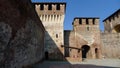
(56, 35)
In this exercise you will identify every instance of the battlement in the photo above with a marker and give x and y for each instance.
(112, 16)
(86, 24)
(50, 7)
(86, 21)
(112, 23)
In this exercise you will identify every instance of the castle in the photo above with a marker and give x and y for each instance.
(84, 41)
(30, 32)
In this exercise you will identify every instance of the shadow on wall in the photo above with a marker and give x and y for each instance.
(66, 43)
(53, 49)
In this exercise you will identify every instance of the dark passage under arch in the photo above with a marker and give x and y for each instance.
(85, 49)
(46, 55)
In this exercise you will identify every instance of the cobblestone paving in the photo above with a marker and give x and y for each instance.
(101, 63)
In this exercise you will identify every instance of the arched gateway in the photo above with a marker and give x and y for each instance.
(117, 28)
(85, 50)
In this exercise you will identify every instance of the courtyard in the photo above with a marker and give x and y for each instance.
(89, 63)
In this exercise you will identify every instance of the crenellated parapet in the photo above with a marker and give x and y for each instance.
(51, 11)
(112, 23)
(86, 23)
(56, 8)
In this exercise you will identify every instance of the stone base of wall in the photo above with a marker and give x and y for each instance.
(69, 59)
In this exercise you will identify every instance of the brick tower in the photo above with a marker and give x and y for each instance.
(85, 39)
(52, 16)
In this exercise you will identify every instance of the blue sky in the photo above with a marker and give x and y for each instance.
(87, 8)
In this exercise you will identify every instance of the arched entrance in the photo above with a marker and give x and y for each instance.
(117, 28)
(46, 55)
(85, 49)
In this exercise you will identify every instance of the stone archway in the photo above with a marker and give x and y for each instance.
(46, 55)
(117, 28)
(85, 49)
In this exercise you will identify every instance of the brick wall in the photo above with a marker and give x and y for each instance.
(110, 45)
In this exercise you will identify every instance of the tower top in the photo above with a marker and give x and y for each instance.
(86, 21)
(50, 8)
(49, 3)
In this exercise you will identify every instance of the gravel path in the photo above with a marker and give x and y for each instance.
(99, 63)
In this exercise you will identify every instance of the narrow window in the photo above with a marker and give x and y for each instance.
(42, 7)
(50, 7)
(58, 7)
(56, 35)
(87, 21)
